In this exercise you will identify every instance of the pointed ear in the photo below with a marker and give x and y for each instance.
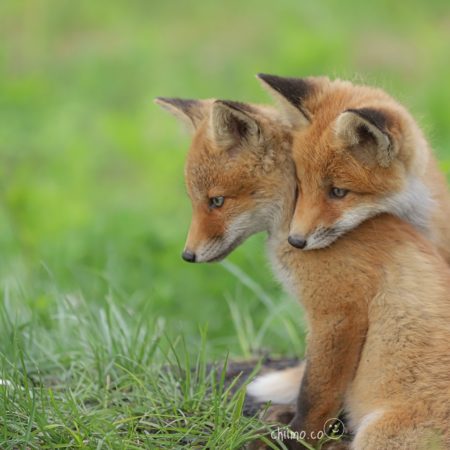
(290, 93)
(190, 112)
(365, 132)
(233, 122)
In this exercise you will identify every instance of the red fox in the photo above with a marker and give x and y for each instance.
(377, 301)
(377, 154)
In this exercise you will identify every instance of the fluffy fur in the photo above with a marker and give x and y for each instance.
(373, 148)
(279, 386)
(377, 301)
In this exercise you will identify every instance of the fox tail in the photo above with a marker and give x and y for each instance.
(280, 387)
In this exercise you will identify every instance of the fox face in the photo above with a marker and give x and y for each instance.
(335, 193)
(231, 172)
(353, 160)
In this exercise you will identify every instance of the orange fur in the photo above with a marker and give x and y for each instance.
(383, 161)
(377, 301)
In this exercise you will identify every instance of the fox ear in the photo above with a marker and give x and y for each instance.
(232, 122)
(365, 132)
(190, 112)
(290, 93)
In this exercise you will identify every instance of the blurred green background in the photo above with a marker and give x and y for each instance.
(92, 198)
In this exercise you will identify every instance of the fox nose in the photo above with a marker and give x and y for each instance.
(188, 256)
(297, 241)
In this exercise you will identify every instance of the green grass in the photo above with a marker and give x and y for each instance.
(113, 376)
(93, 211)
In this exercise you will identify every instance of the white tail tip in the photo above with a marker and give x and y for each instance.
(279, 387)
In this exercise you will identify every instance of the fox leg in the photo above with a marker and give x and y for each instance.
(393, 430)
(333, 353)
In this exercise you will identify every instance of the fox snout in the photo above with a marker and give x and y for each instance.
(305, 223)
(319, 238)
(210, 250)
(203, 244)
(309, 228)
(193, 243)
(211, 241)
(309, 238)
(301, 233)
(205, 238)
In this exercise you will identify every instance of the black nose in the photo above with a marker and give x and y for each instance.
(297, 241)
(188, 256)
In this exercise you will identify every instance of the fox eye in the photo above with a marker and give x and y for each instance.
(338, 192)
(216, 202)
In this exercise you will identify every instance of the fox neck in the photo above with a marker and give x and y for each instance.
(283, 208)
(278, 231)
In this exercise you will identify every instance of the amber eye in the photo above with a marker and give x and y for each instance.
(216, 202)
(338, 192)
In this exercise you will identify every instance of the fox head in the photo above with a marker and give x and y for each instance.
(236, 163)
(357, 153)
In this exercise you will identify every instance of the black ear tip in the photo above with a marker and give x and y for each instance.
(180, 103)
(163, 100)
(267, 77)
(372, 115)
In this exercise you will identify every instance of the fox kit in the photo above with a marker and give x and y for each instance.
(377, 300)
(377, 154)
